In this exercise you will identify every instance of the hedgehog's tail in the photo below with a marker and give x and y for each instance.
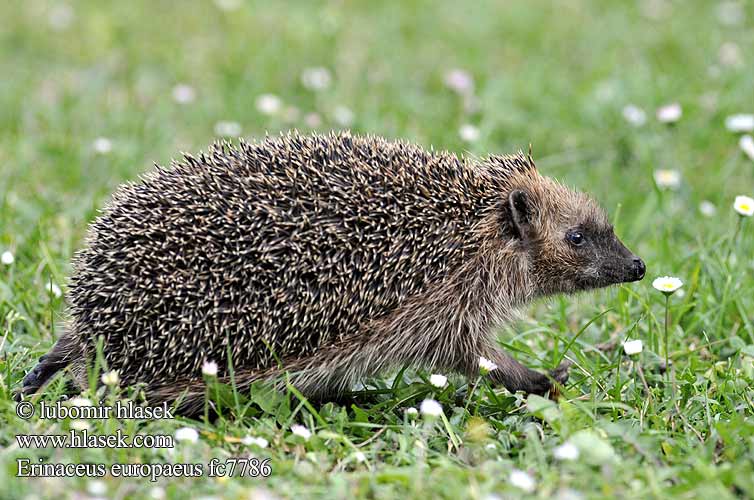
(65, 351)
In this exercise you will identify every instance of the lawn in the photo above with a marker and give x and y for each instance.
(94, 93)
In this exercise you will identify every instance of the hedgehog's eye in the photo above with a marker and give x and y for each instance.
(575, 238)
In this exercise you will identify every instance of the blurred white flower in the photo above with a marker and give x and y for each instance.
(707, 208)
(667, 284)
(291, 114)
(634, 115)
(102, 145)
(438, 380)
(730, 55)
(96, 487)
(730, 13)
(183, 94)
(343, 116)
(157, 493)
(360, 457)
(667, 179)
(60, 17)
(669, 113)
(209, 368)
(740, 123)
(79, 425)
(312, 120)
(412, 412)
(746, 143)
(632, 347)
(654, 9)
(316, 79)
(486, 366)
(228, 5)
(522, 480)
(268, 104)
(227, 129)
(566, 451)
(7, 258)
(256, 441)
(430, 408)
(110, 378)
(79, 401)
(744, 206)
(188, 434)
(459, 81)
(301, 431)
(469, 133)
(53, 289)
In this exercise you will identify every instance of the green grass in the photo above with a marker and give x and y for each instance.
(554, 75)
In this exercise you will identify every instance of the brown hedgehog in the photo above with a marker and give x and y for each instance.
(330, 258)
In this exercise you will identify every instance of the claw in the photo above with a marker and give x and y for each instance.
(560, 377)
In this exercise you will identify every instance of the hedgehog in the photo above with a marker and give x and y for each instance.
(322, 260)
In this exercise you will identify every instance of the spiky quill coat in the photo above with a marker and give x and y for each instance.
(339, 256)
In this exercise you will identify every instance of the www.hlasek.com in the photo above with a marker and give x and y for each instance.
(82, 438)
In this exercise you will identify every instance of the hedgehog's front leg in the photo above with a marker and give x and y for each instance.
(516, 377)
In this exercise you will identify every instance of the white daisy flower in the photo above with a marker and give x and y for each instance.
(60, 17)
(96, 487)
(312, 120)
(209, 368)
(102, 145)
(412, 412)
(631, 347)
(228, 5)
(343, 116)
(7, 258)
(667, 179)
(157, 493)
(438, 380)
(740, 123)
(566, 451)
(522, 480)
(301, 431)
(469, 133)
(268, 104)
(188, 434)
(430, 408)
(316, 79)
(744, 206)
(634, 115)
(730, 55)
(486, 366)
(730, 13)
(79, 425)
(53, 289)
(79, 401)
(257, 441)
(110, 378)
(459, 81)
(707, 208)
(667, 284)
(183, 94)
(670, 113)
(227, 129)
(746, 143)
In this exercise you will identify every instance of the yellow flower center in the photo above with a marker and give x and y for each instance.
(744, 206)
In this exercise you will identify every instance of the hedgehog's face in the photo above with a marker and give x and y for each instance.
(569, 241)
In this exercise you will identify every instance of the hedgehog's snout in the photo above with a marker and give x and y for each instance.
(638, 269)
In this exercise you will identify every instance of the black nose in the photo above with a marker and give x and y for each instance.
(639, 268)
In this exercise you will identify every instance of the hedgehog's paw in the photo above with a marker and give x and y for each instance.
(559, 378)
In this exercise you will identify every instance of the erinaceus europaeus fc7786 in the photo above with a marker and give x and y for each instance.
(339, 256)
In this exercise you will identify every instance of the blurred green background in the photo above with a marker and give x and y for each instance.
(93, 93)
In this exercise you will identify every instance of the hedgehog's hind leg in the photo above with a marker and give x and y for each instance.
(65, 351)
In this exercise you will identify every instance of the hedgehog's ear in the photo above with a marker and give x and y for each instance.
(522, 213)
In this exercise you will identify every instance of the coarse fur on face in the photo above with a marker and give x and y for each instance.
(570, 244)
